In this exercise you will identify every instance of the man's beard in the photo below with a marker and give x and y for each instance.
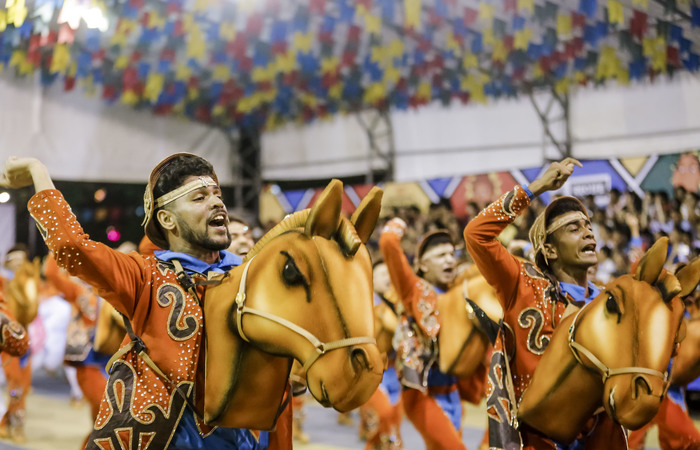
(202, 239)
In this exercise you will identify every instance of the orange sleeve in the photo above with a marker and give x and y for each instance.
(61, 281)
(403, 279)
(14, 339)
(117, 277)
(496, 264)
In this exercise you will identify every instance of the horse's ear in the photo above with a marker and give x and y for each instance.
(365, 216)
(324, 217)
(689, 277)
(652, 262)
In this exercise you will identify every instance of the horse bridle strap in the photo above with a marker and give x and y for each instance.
(320, 347)
(606, 371)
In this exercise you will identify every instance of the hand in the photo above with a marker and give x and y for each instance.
(17, 172)
(395, 225)
(21, 172)
(555, 176)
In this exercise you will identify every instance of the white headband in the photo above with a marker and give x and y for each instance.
(185, 189)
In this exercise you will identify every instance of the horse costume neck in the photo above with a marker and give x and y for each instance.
(320, 347)
(605, 371)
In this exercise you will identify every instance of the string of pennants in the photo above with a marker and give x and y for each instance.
(263, 63)
(596, 177)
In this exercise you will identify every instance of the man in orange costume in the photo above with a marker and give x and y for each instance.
(382, 415)
(533, 297)
(18, 368)
(89, 363)
(14, 341)
(149, 397)
(430, 398)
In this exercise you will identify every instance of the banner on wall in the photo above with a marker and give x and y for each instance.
(469, 194)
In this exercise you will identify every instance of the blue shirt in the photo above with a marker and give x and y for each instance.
(187, 435)
(578, 293)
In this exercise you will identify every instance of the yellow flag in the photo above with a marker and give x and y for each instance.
(470, 61)
(286, 62)
(379, 54)
(264, 73)
(192, 93)
(154, 86)
(336, 91)
(488, 37)
(72, 69)
(218, 110)
(227, 31)
(188, 22)
(424, 91)
(563, 25)
(391, 74)
(485, 12)
(196, 47)
(18, 56)
(3, 20)
(16, 12)
(222, 72)
(329, 65)
(374, 93)
(499, 51)
(129, 97)
(60, 59)
(623, 75)
(537, 72)
(526, 5)
(642, 3)
(121, 62)
(562, 86)
(395, 49)
(303, 42)
(373, 24)
(522, 39)
(155, 20)
(615, 12)
(412, 8)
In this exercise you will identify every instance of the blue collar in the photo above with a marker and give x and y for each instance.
(226, 262)
(578, 293)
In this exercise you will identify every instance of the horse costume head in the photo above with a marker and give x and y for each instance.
(613, 352)
(304, 293)
(22, 292)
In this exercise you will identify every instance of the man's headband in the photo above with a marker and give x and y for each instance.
(169, 197)
(565, 219)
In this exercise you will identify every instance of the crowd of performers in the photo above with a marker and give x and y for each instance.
(529, 260)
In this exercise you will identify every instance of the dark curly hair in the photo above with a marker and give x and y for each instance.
(174, 174)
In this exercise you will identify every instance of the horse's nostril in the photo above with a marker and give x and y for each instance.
(641, 386)
(359, 358)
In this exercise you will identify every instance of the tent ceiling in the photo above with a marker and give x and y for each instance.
(261, 63)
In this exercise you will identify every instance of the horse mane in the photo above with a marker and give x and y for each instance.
(345, 234)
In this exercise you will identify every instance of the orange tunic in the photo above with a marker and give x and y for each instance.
(139, 407)
(529, 300)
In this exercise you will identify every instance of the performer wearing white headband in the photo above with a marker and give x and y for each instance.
(148, 402)
(534, 298)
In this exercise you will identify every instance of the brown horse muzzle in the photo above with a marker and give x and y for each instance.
(633, 400)
(346, 389)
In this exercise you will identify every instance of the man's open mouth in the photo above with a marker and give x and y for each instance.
(218, 220)
(588, 249)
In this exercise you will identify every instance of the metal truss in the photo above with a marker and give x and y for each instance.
(553, 111)
(382, 151)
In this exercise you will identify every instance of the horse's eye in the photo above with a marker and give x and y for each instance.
(291, 274)
(611, 305)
